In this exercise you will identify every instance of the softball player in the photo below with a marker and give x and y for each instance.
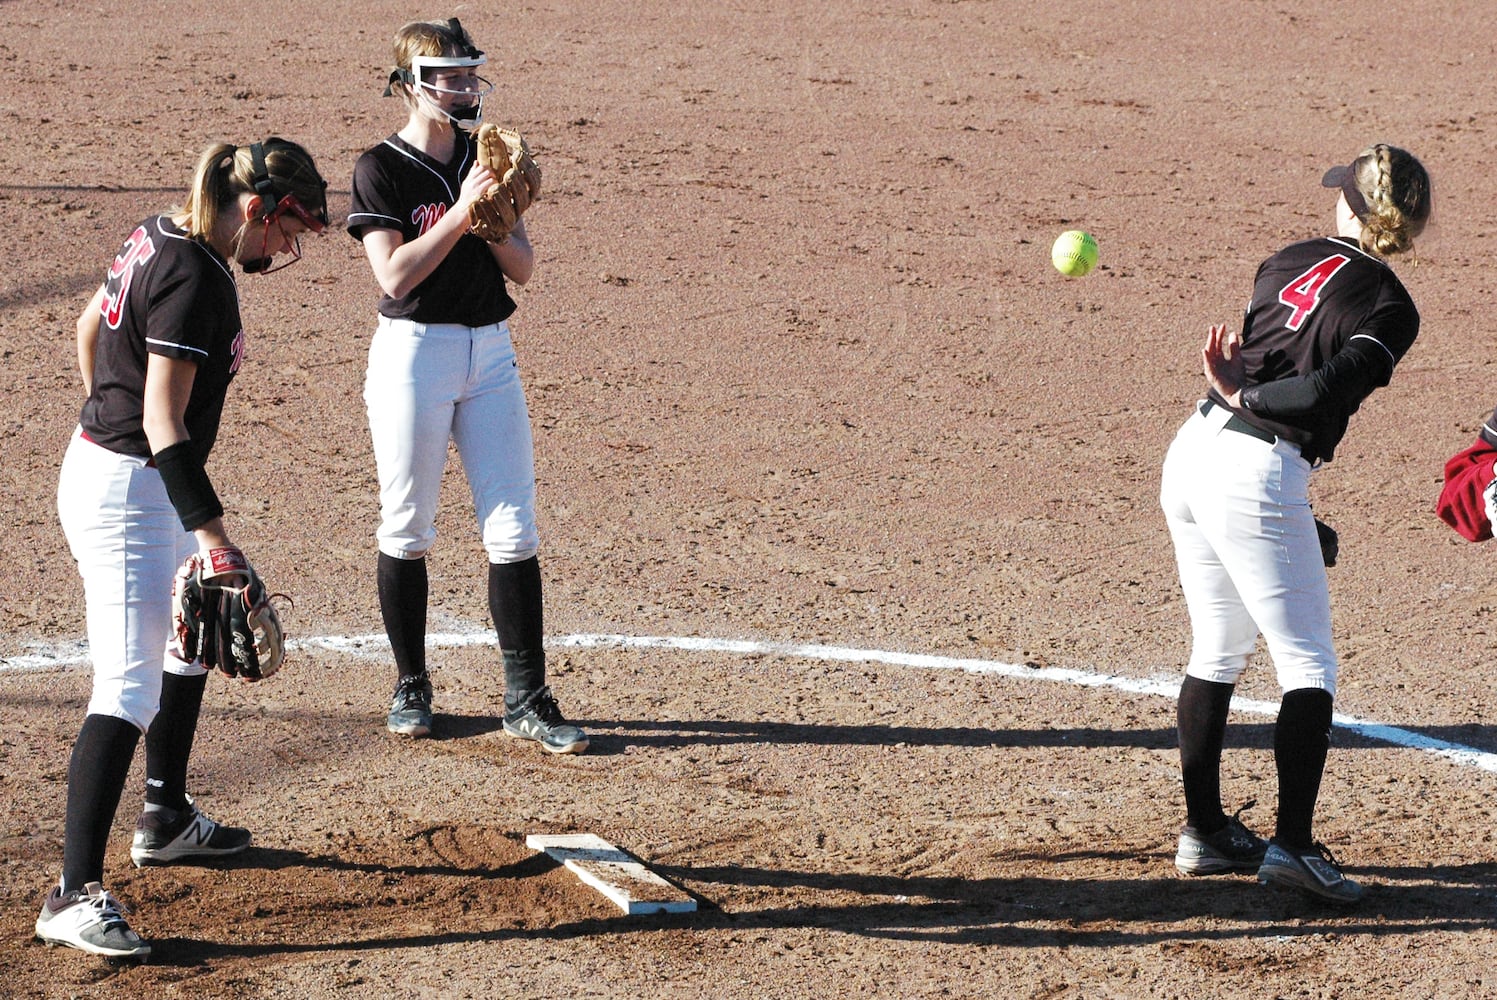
(1327, 323)
(1468, 497)
(158, 345)
(442, 367)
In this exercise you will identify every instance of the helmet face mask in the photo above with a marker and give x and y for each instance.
(291, 245)
(464, 116)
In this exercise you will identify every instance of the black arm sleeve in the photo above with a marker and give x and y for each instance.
(187, 484)
(1348, 378)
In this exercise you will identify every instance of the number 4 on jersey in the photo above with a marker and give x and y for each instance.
(1302, 294)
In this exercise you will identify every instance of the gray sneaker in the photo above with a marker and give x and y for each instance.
(91, 920)
(163, 838)
(1233, 848)
(539, 718)
(1314, 870)
(410, 708)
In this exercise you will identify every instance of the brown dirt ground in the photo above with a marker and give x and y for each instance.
(800, 372)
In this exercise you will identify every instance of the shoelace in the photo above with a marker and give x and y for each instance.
(1241, 835)
(413, 686)
(110, 910)
(1327, 856)
(546, 709)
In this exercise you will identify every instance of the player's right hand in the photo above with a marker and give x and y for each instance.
(479, 180)
(1222, 363)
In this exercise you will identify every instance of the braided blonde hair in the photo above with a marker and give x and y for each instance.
(1397, 190)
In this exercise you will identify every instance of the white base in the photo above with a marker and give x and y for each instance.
(613, 872)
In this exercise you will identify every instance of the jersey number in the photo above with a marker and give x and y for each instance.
(137, 250)
(1302, 294)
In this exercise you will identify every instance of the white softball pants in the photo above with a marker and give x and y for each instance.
(128, 542)
(1239, 514)
(431, 383)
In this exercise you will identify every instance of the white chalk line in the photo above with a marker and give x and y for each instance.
(67, 655)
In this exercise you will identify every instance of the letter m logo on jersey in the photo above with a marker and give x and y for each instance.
(1302, 294)
(426, 216)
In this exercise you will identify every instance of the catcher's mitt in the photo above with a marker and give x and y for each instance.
(231, 626)
(506, 155)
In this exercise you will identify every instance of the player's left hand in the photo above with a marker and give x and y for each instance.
(505, 154)
(250, 641)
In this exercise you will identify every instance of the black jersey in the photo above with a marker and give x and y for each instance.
(166, 293)
(1326, 326)
(396, 186)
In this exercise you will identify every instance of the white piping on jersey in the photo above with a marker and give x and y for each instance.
(180, 347)
(427, 167)
(378, 216)
(1367, 336)
(1352, 245)
(198, 243)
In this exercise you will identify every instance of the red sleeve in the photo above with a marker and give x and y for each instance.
(1467, 476)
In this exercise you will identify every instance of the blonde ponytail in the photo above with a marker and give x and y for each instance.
(226, 171)
(212, 186)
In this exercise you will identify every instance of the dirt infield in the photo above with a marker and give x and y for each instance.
(801, 376)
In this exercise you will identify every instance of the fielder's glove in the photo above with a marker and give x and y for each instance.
(508, 158)
(222, 615)
(1330, 542)
(194, 615)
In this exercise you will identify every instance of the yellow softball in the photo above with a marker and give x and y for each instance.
(1074, 253)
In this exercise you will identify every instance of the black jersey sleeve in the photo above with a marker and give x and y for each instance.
(189, 317)
(375, 198)
(1343, 382)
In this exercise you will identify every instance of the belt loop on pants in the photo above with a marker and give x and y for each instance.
(1241, 426)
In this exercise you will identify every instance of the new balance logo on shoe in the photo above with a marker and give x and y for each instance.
(162, 838)
(91, 920)
(538, 717)
(198, 832)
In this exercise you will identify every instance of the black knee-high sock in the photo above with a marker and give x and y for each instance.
(96, 778)
(1301, 741)
(402, 604)
(169, 740)
(516, 606)
(1201, 717)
